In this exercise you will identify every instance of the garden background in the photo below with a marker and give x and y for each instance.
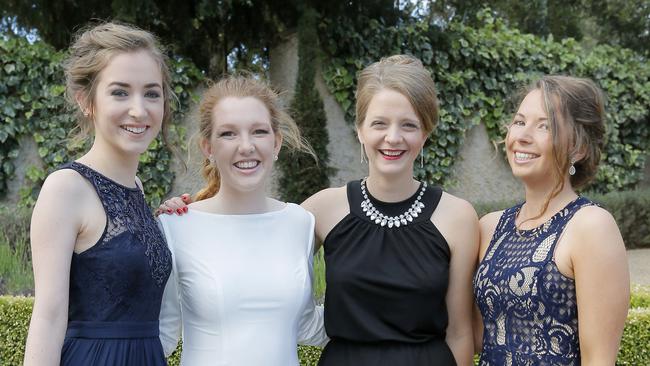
(312, 50)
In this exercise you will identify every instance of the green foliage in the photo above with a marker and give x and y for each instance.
(635, 344)
(16, 277)
(301, 175)
(640, 297)
(15, 313)
(33, 106)
(477, 70)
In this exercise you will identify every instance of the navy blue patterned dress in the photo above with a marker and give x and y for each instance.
(116, 286)
(529, 308)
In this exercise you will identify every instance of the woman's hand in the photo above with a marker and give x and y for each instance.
(176, 205)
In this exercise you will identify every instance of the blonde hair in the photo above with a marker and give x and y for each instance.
(406, 75)
(575, 108)
(91, 51)
(242, 86)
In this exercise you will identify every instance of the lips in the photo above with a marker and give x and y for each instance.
(247, 164)
(137, 130)
(391, 154)
(523, 156)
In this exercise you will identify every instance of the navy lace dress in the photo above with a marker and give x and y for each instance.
(386, 287)
(116, 286)
(529, 308)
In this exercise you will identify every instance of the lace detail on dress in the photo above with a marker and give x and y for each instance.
(529, 308)
(127, 212)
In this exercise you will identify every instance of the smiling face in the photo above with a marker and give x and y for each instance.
(391, 133)
(128, 103)
(243, 144)
(529, 142)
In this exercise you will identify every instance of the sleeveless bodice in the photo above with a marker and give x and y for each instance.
(386, 286)
(122, 277)
(529, 308)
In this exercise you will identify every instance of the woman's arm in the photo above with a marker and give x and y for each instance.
(311, 327)
(170, 319)
(457, 221)
(53, 235)
(602, 284)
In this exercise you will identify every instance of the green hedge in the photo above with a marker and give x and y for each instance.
(15, 313)
(631, 209)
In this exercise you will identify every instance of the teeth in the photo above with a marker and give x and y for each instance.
(137, 130)
(391, 153)
(524, 156)
(246, 164)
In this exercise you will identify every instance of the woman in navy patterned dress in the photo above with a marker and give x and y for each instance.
(552, 285)
(100, 262)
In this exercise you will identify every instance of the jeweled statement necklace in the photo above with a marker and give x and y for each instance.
(390, 221)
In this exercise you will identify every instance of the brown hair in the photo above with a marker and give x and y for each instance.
(576, 115)
(242, 86)
(406, 75)
(92, 49)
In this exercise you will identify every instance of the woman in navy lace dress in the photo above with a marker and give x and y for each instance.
(552, 285)
(100, 262)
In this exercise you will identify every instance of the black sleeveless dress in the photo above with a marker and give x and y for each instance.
(116, 286)
(386, 287)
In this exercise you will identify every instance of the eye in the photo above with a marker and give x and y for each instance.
(153, 94)
(517, 122)
(543, 126)
(411, 125)
(226, 134)
(261, 131)
(119, 93)
(377, 123)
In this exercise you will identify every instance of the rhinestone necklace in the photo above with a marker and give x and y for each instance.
(397, 221)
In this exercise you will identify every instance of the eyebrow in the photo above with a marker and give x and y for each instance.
(539, 119)
(126, 85)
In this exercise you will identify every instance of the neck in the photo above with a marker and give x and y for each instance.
(121, 168)
(232, 202)
(536, 197)
(393, 188)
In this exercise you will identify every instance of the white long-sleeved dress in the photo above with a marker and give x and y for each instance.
(240, 289)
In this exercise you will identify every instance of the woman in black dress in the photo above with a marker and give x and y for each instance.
(399, 254)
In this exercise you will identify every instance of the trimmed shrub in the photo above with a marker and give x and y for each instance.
(635, 344)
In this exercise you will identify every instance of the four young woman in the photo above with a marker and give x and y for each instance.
(400, 254)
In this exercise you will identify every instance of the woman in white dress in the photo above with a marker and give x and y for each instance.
(240, 289)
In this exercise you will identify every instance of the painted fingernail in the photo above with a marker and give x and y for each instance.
(169, 210)
(179, 211)
(185, 209)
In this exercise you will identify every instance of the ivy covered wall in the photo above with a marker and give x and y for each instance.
(32, 105)
(477, 70)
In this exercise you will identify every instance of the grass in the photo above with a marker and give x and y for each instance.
(16, 277)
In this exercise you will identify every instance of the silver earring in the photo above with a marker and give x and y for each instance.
(211, 159)
(422, 158)
(572, 168)
(275, 158)
(361, 152)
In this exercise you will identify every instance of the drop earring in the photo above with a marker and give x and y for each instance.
(422, 158)
(572, 168)
(361, 152)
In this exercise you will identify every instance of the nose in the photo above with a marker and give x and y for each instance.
(246, 146)
(521, 134)
(393, 135)
(137, 109)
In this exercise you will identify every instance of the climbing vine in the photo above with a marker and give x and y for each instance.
(33, 106)
(478, 70)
